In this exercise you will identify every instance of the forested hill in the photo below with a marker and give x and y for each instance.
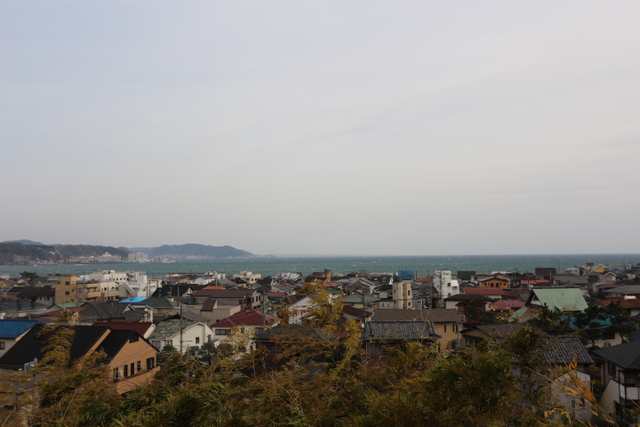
(195, 250)
(14, 252)
(20, 253)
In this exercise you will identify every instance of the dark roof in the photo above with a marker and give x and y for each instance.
(399, 330)
(436, 315)
(292, 332)
(246, 317)
(140, 327)
(465, 274)
(10, 329)
(209, 304)
(20, 305)
(223, 293)
(191, 316)
(37, 291)
(626, 355)
(110, 311)
(349, 309)
(30, 346)
(564, 350)
(501, 330)
(114, 342)
(158, 302)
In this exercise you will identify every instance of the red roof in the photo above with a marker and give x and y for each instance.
(425, 279)
(247, 317)
(625, 303)
(329, 285)
(277, 294)
(140, 327)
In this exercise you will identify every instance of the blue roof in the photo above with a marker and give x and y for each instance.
(13, 328)
(134, 299)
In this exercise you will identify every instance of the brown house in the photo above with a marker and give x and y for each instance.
(130, 357)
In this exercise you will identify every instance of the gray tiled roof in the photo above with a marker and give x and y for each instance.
(436, 315)
(169, 328)
(626, 356)
(563, 350)
(399, 331)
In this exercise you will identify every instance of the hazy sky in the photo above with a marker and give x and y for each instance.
(324, 127)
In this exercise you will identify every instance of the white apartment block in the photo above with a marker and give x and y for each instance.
(445, 284)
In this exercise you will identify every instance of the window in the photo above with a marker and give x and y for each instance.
(197, 340)
(126, 371)
(222, 332)
(66, 293)
(116, 373)
(151, 363)
(611, 369)
(134, 338)
(1, 345)
(138, 366)
(133, 370)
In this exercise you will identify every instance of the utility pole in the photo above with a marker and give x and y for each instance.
(180, 328)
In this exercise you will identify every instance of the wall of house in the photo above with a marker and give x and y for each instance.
(139, 357)
(495, 283)
(449, 333)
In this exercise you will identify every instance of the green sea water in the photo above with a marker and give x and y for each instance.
(420, 265)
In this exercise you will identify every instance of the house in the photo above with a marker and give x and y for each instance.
(555, 299)
(247, 322)
(144, 329)
(180, 334)
(497, 280)
(177, 291)
(362, 301)
(493, 293)
(131, 358)
(300, 341)
(214, 311)
(19, 308)
(445, 322)
(44, 295)
(630, 304)
(621, 378)
(561, 353)
(161, 307)
(246, 298)
(461, 301)
(11, 331)
(380, 334)
(479, 333)
(623, 291)
(350, 312)
(114, 311)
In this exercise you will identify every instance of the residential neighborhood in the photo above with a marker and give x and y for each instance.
(587, 321)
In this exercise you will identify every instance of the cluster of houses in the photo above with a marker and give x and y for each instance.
(131, 318)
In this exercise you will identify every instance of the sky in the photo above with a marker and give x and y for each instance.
(322, 127)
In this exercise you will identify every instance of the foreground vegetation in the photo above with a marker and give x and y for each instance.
(308, 382)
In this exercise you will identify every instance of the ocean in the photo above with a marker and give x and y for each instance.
(420, 265)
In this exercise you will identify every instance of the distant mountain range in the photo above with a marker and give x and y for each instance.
(194, 250)
(28, 251)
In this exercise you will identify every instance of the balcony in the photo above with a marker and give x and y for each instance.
(92, 295)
